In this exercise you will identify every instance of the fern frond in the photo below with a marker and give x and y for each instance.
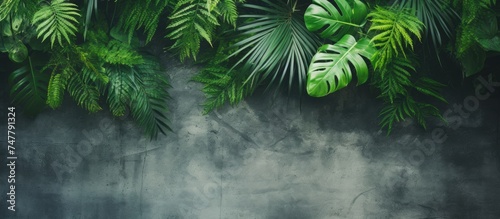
(56, 20)
(211, 4)
(57, 86)
(84, 93)
(394, 112)
(229, 11)
(190, 22)
(148, 104)
(429, 87)
(221, 86)
(393, 80)
(141, 14)
(437, 16)
(120, 88)
(396, 87)
(117, 52)
(395, 28)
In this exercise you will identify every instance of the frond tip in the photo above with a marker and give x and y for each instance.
(56, 20)
(394, 28)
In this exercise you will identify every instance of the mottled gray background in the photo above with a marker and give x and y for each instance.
(268, 157)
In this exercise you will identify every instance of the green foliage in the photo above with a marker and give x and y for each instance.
(194, 20)
(222, 85)
(477, 33)
(116, 52)
(57, 86)
(120, 88)
(191, 21)
(437, 16)
(406, 107)
(140, 14)
(91, 7)
(396, 87)
(394, 33)
(331, 70)
(148, 104)
(56, 20)
(274, 44)
(344, 18)
(393, 80)
(84, 92)
(8, 6)
(228, 10)
(28, 88)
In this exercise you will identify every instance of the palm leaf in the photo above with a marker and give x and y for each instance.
(343, 18)
(120, 88)
(56, 20)
(331, 70)
(149, 102)
(85, 93)
(436, 15)
(91, 7)
(29, 88)
(275, 44)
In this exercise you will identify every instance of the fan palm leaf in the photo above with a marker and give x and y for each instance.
(275, 44)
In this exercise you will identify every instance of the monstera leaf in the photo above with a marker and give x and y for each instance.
(344, 18)
(332, 67)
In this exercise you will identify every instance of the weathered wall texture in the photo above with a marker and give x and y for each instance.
(265, 158)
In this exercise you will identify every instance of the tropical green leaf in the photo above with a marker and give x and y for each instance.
(275, 44)
(333, 66)
(395, 28)
(394, 80)
(437, 15)
(28, 88)
(429, 87)
(221, 86)
(117, 52)
(8, 6)
(148, 104)
(56, 20)
(140, 14)
(229, 11)
(120, 88)
(91, 7)
(406, 107)
(84, 92)
(190, 22)
(334, 21)
(57, 86)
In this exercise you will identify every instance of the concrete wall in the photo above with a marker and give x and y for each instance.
(265, 158)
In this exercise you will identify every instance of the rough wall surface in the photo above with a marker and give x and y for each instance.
(265, 158)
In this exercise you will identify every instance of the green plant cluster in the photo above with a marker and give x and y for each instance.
(93, 51)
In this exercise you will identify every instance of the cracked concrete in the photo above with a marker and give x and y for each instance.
(265, 158)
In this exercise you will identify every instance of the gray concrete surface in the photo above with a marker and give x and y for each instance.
(265, 158)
